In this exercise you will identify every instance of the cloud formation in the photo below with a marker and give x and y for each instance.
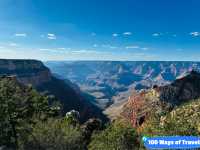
(194, 34)
(85, 51)
(21, 34)
(156, 34)
(127, 33)
(115, 34)
(49, 50)
(132, 47)
(51, 36)
(136, 47)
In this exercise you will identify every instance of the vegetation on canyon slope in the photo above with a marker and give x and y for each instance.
(182, 120)
(29, 120)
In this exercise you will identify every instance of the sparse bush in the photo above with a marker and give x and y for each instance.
(55, 134)
(117, 136)
(183, 120)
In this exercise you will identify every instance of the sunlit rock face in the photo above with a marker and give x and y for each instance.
(27, 71)
(35, 73)
(159, 98)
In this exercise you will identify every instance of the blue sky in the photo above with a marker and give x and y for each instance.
(100, 29)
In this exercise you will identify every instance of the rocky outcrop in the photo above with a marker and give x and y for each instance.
(89, 127)
(182, 89)
(27, 71)
(39, 76)
(141, 104)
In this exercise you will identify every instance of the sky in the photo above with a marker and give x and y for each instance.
(121, 30)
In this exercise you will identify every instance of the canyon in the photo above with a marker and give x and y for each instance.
(103, 88)
(36, 74)
(109, 84)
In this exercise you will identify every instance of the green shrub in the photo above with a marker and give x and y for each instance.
(20, 108)
(117, 136)
(55, 134)
(183, 120)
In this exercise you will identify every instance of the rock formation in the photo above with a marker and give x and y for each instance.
(159, 98)
(39, 76)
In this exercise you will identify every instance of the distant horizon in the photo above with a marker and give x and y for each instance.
(100, 60)
(121, 60)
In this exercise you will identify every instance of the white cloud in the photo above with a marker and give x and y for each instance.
(132, 47)
(115, 34)
(45, 49)
(136, 47)
(84, 51)
(62, 51)
(127, 33)
(156, 34)
(63, 48)
(50, 50)
(51, 36)
(21, 34)
(194, 34)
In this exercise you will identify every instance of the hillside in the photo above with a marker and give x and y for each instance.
(182, 89)
(27, 71)
(35, 73)
(182, 120)
(29, 121)
(161, 99)
(20, 108)
(171, 109)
